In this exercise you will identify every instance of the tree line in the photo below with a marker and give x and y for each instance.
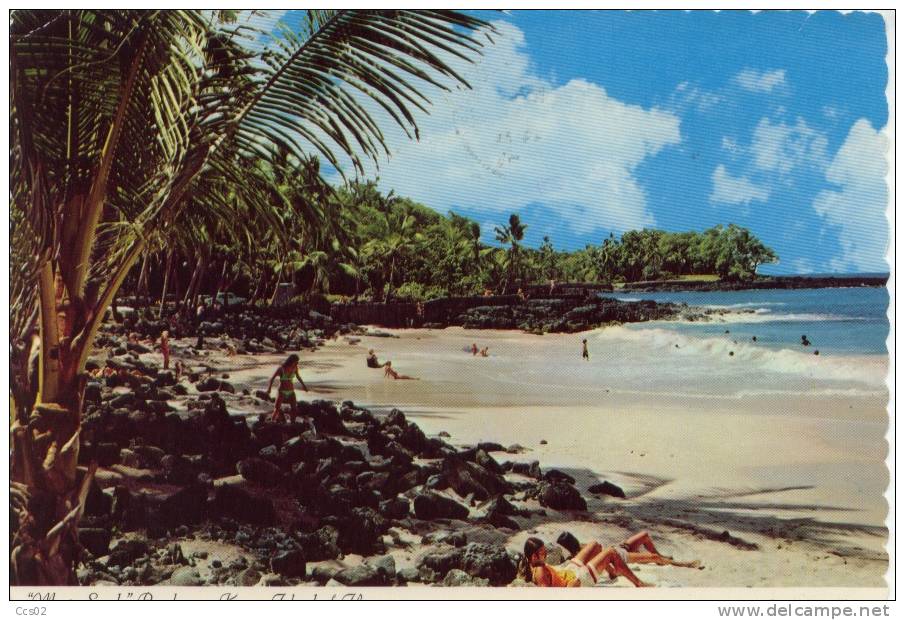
(355, 242)
(393, 247)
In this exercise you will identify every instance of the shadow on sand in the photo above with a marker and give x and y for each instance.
(720, 516)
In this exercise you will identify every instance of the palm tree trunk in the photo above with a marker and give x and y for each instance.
(276, 289)
(114, 311)
(199, 283)
(221, 281)
(259, 288)
(191, 294)
(166, 283)
(196, 272)
(389, 289)
(47, 496)
(142, 287)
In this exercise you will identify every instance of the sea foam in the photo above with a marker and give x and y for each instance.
(712, 354)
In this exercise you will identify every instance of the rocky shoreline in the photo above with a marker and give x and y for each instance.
(288, 499)
(763, 282)
(183, 483)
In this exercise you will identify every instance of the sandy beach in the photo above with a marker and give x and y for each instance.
(767, 490)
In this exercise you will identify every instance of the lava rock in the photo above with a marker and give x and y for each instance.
(248, 577)
(395, 508)
(385, 566)
(289, 563)
(186, 506)
(212, 384)
(186, 576)
(96, 540)
(554, 475)
(125, 551)
(561, 496)
(468, 478)
(361, 575)
(322, 544)
(457, 578)
(434, 565)
(258, 470)
(231, 501)
(429, 506)
(491, 562)
(607, 488)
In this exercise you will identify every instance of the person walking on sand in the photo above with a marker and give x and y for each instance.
(474, 348)
(287, 372)
(584, 350)
(592, 561)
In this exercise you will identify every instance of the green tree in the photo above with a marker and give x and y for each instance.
(512, 235)
(116, 117)
(548, 260)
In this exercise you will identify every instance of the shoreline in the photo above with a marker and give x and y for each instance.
(762, 282)
(783, 494)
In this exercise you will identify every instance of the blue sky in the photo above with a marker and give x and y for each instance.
(591, 122)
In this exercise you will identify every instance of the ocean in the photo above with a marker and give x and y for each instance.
(754, 347)
(835, 320)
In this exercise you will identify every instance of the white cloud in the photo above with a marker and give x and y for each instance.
(517, 139)
(782, 148)
(687, 94)
(858, 206)
(728, 189)
(761, 81)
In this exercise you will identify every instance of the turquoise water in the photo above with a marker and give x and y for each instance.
(835, 320)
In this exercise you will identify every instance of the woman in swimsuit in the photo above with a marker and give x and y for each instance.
(592, 561)
(288, 371)
(389, 372)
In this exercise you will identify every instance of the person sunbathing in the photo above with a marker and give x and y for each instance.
(592, 561)
(389, 372)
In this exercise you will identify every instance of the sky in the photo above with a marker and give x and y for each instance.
(587, 123)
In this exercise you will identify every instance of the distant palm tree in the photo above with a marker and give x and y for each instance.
(511, 235)
(396, 236)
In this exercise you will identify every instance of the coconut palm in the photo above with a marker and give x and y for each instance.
(119, 120)
(395, 237)
(511, 235)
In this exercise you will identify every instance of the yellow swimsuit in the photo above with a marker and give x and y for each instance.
(560, 577)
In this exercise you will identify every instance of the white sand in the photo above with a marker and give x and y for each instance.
(801, 475)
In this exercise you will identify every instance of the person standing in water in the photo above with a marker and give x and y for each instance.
(584, 350)
(287, 372)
